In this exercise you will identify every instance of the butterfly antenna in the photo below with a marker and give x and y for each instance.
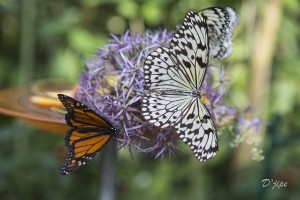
(221, 80)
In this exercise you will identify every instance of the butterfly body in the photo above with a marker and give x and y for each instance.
(88, 134)
(196, 93)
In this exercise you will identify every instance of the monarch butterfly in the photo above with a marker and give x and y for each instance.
(88, 134)
(221, 23)
(173, 77)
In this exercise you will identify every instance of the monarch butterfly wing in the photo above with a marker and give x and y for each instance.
(88, 134)
(189, 50)
(221, 23)
(80, 116)
(198, 131)
(83, 146)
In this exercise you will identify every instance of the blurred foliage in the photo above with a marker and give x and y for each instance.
(65, 33)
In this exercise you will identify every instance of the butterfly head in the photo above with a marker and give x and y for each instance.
(115, 130)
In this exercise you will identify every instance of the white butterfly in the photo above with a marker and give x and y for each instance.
(173, 77)
(221, 23)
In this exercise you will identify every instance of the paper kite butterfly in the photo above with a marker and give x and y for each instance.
(173, 78)
(88, 134)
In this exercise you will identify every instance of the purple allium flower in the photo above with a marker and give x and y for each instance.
(112, 85)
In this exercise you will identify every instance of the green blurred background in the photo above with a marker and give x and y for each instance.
(51, 39)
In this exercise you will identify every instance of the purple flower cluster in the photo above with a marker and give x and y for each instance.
(112, 85)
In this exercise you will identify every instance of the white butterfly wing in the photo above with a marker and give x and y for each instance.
(221, 23)
(189, 50)
(198, 131)
(234, 20)
(159, 106)
(164, 110)
(160, 73)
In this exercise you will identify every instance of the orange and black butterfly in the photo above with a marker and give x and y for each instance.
(88, 134)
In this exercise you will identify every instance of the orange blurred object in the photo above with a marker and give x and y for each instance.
(38, 105)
